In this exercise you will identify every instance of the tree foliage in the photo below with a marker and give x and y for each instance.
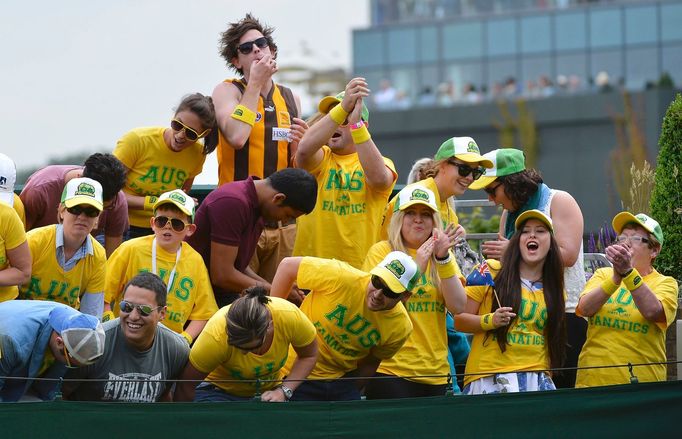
(666, 201)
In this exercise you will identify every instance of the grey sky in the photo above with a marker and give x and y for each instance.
(77, 74)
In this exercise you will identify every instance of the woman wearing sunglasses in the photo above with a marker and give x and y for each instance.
(68, 263)
(518, 318)
(416, 229)
(517, 190)
(457, 164)
(242, 350)
(161, 159)
(630, 306)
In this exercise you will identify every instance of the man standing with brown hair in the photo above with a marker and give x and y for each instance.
(259, 126)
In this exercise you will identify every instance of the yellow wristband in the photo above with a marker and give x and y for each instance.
(360, 135)
(108, 315)
(487, 322)
(149, 201)
(633, 280)
(187, 337)
(446, 271)
(609, 286)
(338, 114)
(244, 114)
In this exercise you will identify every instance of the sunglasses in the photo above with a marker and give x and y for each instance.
(490, 190)
(386, 291)
(144, 310)
(176, 224)
(87, 210)
(189, 132)
(247, 47)
(465, 170)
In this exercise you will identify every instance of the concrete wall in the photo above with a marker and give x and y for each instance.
(576, 135)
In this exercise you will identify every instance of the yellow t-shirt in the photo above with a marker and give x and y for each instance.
(619, 334)
(12, 235)
(213, 355)
(347, 330)
(191, 296)
(153, 168)
(446, 213)
(526, 349)
(425, 353)
(347, 213)
(49, 281)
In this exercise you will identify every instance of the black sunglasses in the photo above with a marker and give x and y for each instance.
(247, 47)
(176, 224)
(386, 291)
(87, 210)
(144, 310)
(465, 170)
(490, 190)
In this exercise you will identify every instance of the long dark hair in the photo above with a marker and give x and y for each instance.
(508, 287)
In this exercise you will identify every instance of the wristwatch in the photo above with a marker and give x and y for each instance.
(288, 393)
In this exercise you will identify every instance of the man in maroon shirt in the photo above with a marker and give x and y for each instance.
(43, 191)
(231, 218)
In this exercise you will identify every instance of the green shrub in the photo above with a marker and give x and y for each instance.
(666, 201)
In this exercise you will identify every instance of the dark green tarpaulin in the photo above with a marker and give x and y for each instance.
(640, 410)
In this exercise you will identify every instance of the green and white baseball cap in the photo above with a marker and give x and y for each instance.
(398, 271)
(464, 149)
(178, 198)
(415, 194)
(650, 225)
(83, 191)
(328, 102)
(505, 161)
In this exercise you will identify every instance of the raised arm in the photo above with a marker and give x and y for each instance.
(568, 226)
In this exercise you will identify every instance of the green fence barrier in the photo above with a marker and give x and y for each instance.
(635, 410)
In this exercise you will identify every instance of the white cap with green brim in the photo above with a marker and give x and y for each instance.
(650, 225)
(505, 161)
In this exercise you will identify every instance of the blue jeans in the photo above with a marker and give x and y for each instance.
(207, 392)
(327, 390)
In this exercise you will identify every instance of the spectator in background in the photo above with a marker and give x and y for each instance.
(8, 178)
(160, 159)
(469, 94)
(42, 340)
(426, 98)
(43, 190)
(629, 306)
(141, 356)
(385, 98)
(15, 256)
(446, 94)
(68, 263)
(518, 189)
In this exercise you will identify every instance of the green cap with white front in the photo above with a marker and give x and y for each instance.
(505, 161)
(650, 225)
(464, 149)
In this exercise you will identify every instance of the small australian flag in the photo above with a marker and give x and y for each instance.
(480, 275)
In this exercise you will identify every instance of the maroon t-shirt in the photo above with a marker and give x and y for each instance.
(42, 194)
(229, 215)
